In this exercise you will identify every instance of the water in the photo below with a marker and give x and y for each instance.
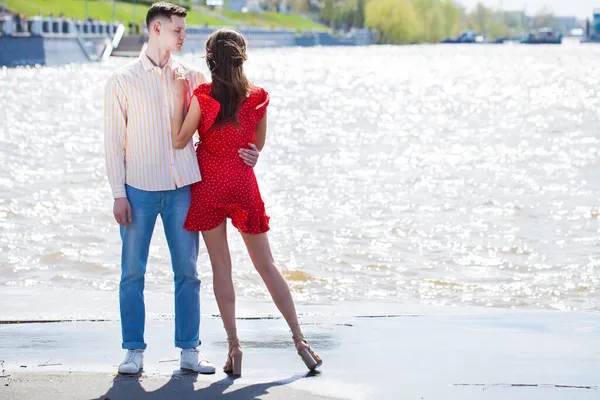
(447, 175)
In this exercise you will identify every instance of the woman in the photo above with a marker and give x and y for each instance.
(229, 113)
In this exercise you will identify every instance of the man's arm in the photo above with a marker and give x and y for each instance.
(115, 126)
(249, 155)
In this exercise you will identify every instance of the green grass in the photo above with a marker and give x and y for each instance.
(100, 9)
(127, 12)
(273, 20)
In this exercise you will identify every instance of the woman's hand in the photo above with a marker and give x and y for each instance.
(180, 85)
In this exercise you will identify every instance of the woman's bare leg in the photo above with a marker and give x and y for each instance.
(220, 259)
(262, 258)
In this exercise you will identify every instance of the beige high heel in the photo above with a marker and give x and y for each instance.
(233, 365)
(310, 358)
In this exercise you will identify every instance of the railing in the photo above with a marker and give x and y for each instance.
(114, 43)
(38, 26)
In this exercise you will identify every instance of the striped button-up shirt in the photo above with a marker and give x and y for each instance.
(138, 109)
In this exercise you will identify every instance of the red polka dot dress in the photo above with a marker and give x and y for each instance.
(228, 188)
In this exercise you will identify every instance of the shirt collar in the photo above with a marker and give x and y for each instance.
(148, 65)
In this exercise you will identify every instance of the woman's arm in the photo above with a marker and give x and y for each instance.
(183, 130)
(261, 133)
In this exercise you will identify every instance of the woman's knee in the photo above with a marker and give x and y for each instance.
(221, 268)
(266, 268)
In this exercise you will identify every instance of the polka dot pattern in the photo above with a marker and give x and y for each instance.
(228, 188)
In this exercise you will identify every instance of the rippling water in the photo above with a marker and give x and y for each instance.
(434, 175)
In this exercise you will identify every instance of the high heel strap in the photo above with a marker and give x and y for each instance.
(232, 337)
(231, 332)
(297, 335)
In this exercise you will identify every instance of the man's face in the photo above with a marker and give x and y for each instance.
(171, 32)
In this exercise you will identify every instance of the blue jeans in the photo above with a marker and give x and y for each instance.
(172, 205)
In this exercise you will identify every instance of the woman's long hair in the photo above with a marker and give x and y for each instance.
(225, 57)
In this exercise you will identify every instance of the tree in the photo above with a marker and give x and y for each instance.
(420, 21)
(497, 26)
(272, 5)
(480, 18)
(451, 14)
(435, 23)
(395, 20)
(327, 12)
(359, 15)
(544, 17)
(300, 6)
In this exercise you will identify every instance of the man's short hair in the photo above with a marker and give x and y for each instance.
(165, 10)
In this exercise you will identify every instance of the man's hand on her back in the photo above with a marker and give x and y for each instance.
(122, 211)
(250, 156)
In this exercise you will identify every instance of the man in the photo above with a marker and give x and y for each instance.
(149, 177)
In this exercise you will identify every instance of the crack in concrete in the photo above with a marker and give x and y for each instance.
(540, 385)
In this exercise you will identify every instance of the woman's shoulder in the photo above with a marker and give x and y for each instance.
(258, 96)
(257, 91)
(203, 88)
(257, 102)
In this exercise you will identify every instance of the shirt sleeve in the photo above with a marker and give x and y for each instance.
(115, 129)
(196, 79)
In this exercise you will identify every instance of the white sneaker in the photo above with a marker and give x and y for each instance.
(134, 362)
(193, 360)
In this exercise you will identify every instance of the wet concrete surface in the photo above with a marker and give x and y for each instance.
(398, 353)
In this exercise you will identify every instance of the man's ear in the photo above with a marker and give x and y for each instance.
(156, 27)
